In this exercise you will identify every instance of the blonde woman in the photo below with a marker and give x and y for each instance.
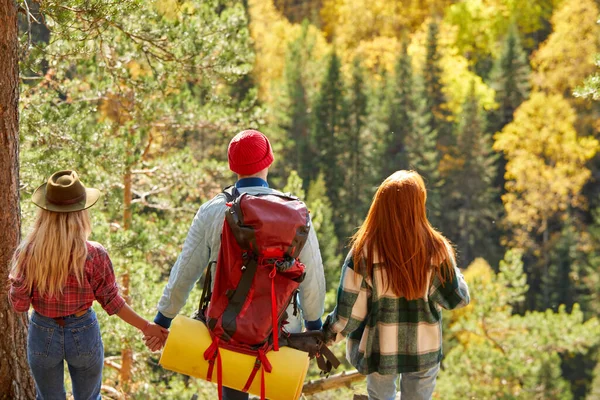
(395, 282)
(58, 272)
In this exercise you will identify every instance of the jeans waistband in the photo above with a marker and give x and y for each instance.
(62, 321)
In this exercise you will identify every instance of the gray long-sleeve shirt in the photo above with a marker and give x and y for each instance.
(202, 246)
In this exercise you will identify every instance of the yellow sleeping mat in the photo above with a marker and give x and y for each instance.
(184, 353)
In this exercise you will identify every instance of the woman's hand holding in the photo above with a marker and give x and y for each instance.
(155, 336)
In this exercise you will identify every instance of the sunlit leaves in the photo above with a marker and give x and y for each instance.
(568, 56)
(501, 355)
(546, 164)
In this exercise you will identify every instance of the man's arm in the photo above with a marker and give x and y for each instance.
(188, 268)
(351, 307)
(312, 289)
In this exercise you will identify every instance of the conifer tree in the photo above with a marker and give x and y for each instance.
(330, 119)
(469, 191)
(510, 80)
(354, 200)
(500, 354)
(399, 116)
(321, 213)
(298, 123)
(423, 155)
(434, 94)
(294, 185)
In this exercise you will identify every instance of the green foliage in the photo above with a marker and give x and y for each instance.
(294, 186)
(510, 80)
(480, 24)
(579, 245)
(123, 90)
(591, 87)
(502, 355)
(567, 57)
(356, 160)
(330, 131)
(295, 119)
(424, 157)
(153, 91)
(322, 215)
(434, 93)
(400, 109)
(469, 193)
(546, 171)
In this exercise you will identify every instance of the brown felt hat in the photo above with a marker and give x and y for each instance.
(64, 192)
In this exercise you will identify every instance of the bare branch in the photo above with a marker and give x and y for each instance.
(145, 171)
(112, 392)
(332, 382)
(28, 13)
(154, 190)
(112, 364)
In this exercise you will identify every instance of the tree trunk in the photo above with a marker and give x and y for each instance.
(126, 352)
(15, 380)
(127, 198)
(545, 287)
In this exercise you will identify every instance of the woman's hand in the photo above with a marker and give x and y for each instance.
(155, 336)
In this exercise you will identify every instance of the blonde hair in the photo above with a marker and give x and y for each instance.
(55, 248)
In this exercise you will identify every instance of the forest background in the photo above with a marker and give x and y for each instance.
(492, 101)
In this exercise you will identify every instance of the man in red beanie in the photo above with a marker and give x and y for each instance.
(250, 156)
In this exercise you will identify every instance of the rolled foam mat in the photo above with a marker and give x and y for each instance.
(184, 353)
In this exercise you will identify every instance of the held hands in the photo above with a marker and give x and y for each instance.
(155, 336)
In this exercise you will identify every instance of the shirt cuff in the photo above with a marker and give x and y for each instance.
(313, 325)
(114, 306)
(163, 321)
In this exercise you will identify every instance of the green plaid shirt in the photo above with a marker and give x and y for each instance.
(389, 334)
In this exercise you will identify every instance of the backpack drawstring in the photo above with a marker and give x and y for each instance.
(210, 355)
(274, 309)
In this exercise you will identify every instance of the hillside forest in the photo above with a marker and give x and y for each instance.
(494, 102)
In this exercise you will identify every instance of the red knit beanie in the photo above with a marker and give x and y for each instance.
(249, 152)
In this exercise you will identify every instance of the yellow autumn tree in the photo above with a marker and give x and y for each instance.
(546, 166)
(455, 69)
(567, 57)
(376, 54)
(272, 34)
(480, 23)
(349, 22)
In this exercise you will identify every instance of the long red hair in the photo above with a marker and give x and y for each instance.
(397, 232)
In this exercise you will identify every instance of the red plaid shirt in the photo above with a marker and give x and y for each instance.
(99, 285)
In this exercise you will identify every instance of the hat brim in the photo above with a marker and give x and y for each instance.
(39, 199)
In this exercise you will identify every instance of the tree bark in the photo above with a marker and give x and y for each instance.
(15, 380)
(126, 351)
(127, 198)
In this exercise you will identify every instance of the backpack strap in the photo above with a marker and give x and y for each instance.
(206, 291)
(238, 297)
(231, 193)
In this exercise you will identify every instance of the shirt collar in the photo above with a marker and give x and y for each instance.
(253, 181)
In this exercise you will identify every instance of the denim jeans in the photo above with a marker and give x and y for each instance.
(413, 385)
(79, 343)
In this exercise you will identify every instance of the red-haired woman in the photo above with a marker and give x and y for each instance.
(395, 281)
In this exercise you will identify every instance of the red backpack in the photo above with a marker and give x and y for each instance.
(257, 276)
